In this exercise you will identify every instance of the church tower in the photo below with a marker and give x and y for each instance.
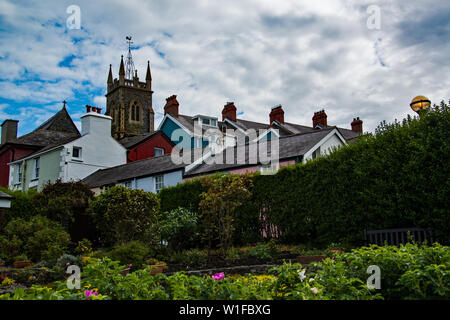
(129, 101)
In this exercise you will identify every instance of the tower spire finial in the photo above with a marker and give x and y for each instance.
(149, 74)
(110, 78)
(129, 64)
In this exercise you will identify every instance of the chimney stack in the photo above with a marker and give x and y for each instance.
(357, 125)
(277, 114)
(93, 122)
(319, 119)
(171, 106)
(9, 130)
(229, 111)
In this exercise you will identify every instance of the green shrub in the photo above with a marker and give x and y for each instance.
(192, 257)
(38, 238)
(67, 203)
(123, 215)
(263, 251)
(410, 271)
(133, 252)
(22, 205)
(180, 228)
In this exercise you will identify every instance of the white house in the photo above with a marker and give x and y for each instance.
(70, 160)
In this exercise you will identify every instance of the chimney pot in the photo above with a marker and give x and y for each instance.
(171, 106)
(277, 114)
(88, 108)
(9, 130)
(319, 119)
(229, 111)
(357, 125)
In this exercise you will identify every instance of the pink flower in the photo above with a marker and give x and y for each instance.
(130, 265)
(218, 276)
(89, 293)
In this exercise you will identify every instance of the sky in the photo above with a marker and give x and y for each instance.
(341, 56)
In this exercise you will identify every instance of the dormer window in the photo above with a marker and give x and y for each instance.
(207, 121)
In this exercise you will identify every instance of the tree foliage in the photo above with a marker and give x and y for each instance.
(123, 215)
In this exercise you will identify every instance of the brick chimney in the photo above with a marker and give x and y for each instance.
(357, 125)
(171, 106)
(9, 130)
(229, 111)
(277, 114)
(319, 119)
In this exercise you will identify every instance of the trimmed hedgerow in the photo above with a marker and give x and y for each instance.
(397, 177)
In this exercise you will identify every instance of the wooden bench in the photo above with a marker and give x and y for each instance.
(398, 236)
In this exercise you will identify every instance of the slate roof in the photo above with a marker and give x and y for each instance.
(57, 130)
(129, 142)
(289, 147)
(61, 122)
(141, 168)
(5, 195)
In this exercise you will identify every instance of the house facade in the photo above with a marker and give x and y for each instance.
(150, 175)
(147, 146)
(298, 148)
(72, 159)
(57, 129)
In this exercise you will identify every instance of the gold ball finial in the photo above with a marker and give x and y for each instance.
(420, 103)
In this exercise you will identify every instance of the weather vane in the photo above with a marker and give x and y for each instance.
(129, 64)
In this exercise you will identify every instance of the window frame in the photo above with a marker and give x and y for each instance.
(160, 149)
(159, 183)
(36, 168)
(80, 153)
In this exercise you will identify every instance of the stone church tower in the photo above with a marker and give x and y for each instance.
(129, 101)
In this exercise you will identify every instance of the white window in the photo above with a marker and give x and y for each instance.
(198, 142)
(158, 151)
(36, 168)
(316, 153)
(76, 152)
(18, 173)
(127, 184)
(159, 183)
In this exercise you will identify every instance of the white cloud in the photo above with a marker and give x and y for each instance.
(305, 55)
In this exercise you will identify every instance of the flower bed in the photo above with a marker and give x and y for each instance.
(407, 272)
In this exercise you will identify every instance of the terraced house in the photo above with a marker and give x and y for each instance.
(72, 158)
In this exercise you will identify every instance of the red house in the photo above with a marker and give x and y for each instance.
(147, 146)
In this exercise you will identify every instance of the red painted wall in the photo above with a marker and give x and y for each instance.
(145, 149)
(6, 157)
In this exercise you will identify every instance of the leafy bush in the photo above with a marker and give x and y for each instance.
(38, 238)
(123, 215)
(22, 205)
(192, 257)
(263, 251)
(180, 228)
(133, 252)
(410, 271)
(218, 206)
(67, 203)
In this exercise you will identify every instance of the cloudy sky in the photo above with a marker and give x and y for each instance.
(305, 55)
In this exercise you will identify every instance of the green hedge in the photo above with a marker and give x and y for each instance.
(397, 177)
